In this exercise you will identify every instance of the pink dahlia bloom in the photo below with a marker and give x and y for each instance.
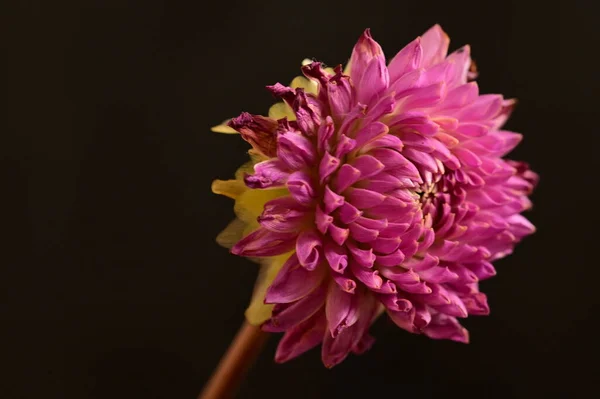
(392, 196)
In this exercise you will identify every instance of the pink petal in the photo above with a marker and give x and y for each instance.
(301, 338)
(301, 188)
(408, 59)
(368, 277)
(369, 133)
(336, 256)
(344, 145)
(385, 245)
(435, 44)
(461, 59)
(395, 303)
(271, 173)
(375, 80)
(446, 327)
(348, 213)
(361, 233)
(282, 215)
(263, 242)
(295, 150)
(365, 50)
(293, 282)
(345, 283)
(324, 135)
(309, 249)
(341, 96)
(345, 177)
(390, 158)
(364, 199)
(331, 200)
(335, 350)
(476, 304)
(387, 141)
(322, 220)
(341, 309)
(393, 259)
(367, 165)
(438, 275)
(363, 257)
(338, 234)
(328, 165)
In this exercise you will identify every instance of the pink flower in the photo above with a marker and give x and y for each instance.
(392, 195)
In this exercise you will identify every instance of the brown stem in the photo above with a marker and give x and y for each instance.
(242, 352)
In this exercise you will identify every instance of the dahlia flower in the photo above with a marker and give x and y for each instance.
(376, 188)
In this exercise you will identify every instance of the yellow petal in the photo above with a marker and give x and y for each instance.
(256, 157)
(229, 188)
(347, 69)
(223, 128)
(248, 167)
(250, 204)
(309, 86)
(231, 234)
(281, 110)
(258, 312)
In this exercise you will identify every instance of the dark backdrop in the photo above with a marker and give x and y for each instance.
(113, 286)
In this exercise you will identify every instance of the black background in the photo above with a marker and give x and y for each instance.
(113, 286)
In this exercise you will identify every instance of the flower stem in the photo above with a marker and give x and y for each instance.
(240, 355)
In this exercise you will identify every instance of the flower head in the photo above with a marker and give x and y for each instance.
(379, 188)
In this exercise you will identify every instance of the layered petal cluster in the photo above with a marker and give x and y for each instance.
(383, 189)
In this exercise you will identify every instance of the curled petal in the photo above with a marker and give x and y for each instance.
(295, 150)
(370, 132)
(329, 164)
(348, 213)
(301, 187)
(386, 245)
(364, 199)
(438, 275)
(267, 174)
(395, 303)
(309, 249)
(324, 135)
(361, 233)
(346, 176)
(263, 242)
(389, 158)
(340, 94)
(259, 131)
(282, 215)
(368, 277)
(446, 327)
(345, 283)
(393, 259)
(336, 256)
(341, 309)
(332, 200)
(476, 304)
(322, 220)
(338, 234)
(293, 282)
(367, 166)
(301, 338)
(363, 257)
(335, 349)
